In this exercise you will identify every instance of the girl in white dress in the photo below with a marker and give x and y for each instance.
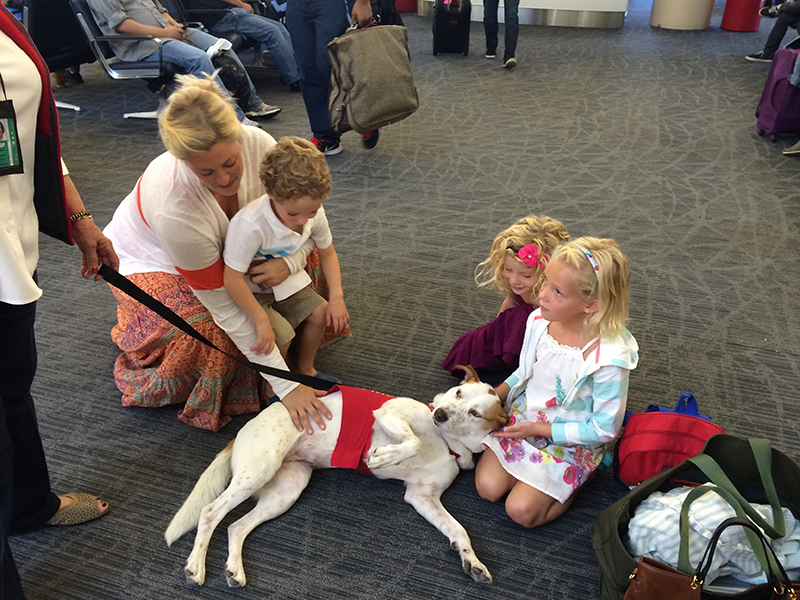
(568, 396)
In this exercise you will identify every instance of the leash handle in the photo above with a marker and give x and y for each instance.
(137, 293)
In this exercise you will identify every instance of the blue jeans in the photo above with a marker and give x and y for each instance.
(273, 37)
(193, 59)
(312, 24)
(512, 25)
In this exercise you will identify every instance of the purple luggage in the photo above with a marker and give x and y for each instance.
(779, 108)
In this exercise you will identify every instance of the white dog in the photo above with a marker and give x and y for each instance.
(419, 444)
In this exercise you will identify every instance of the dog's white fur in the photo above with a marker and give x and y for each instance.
(272, 461)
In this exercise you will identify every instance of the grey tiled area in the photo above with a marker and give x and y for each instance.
(643, 135)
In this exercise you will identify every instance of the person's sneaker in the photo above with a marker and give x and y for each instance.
(370, 139)
(769, 12)
(327, 148)
(759, 56)
(250, 123)
(510, 63)
(265, 111)
(491, 54)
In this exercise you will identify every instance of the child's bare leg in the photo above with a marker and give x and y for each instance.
(530, 507)
(309, 337)
(491, 480)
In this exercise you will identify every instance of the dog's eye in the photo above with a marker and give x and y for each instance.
(474, 413)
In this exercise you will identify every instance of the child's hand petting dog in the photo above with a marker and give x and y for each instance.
(337, 316)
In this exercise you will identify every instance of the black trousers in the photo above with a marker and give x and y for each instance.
(788, 16)
(26, 501)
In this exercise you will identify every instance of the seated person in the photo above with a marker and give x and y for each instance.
(183, 48)
(788, 16)
(169, 233)
(770, 9)
(240, 18)
(296, 178)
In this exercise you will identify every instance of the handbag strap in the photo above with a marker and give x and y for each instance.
(687, 405)
(684, 562)
(776, 575)
(716, 475)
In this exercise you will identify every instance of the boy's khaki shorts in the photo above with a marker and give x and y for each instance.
(286, 315)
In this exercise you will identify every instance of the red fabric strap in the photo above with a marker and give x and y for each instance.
(209, 278)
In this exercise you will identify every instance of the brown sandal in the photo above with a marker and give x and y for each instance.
(82, 509)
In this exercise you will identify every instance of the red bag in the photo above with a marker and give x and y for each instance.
(658, 439)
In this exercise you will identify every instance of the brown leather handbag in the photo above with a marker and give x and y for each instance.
(653, 580)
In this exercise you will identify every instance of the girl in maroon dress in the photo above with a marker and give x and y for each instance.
(515, 266)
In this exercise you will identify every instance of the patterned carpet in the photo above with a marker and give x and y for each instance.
(643, 135)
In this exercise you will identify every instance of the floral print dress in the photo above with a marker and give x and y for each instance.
(555, 470)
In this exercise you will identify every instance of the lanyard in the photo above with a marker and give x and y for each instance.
(10, 152)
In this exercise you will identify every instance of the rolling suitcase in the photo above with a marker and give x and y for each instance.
(451, 26)
(779, 108)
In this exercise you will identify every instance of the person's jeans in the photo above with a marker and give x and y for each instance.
(788, 16)
(273, 36)
(312, 24)
(193, 59)
(490, 25)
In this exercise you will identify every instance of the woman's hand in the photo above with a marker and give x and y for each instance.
(303, 402)
(95, 248)
(266, 336)
(526, 429)
(270, 272)
(336, 315)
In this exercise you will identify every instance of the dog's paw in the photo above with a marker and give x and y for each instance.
(466, 462)
(196, 575)
(235, 577)
(384, 456)
(476, 569)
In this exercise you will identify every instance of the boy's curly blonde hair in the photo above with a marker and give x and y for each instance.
(295, 168)
(609, 285)
(544, 233)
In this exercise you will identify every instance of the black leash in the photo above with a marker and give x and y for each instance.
(137, 293)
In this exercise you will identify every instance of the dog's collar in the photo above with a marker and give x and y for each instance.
(433, 408)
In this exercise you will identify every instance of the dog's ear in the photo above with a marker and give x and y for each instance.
(497, 416)
(471, 374)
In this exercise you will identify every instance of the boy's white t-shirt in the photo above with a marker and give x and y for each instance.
(256, 233)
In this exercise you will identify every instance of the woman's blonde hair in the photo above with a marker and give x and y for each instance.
(199, 115)
(295, 168)
(543, 232)
(609, 283)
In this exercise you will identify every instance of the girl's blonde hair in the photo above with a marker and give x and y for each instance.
(609, 284)
(544, 233)
(198, 116)
(295, 168)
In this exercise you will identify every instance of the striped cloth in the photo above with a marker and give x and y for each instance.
(654, 531)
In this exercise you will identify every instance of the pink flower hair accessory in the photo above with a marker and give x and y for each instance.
(529, 255)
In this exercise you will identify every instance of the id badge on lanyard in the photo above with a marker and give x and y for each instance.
(10, 151)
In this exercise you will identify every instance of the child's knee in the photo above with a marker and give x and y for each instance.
(317, 318)
(488, 487)
(525, 513)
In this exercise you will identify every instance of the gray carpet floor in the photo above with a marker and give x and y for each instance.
(643, 135)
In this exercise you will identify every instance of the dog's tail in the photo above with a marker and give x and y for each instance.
(210, 485)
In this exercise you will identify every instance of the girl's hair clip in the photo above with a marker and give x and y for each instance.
(592, 261)
(529, 255)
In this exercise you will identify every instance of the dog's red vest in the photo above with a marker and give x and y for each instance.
(357, 422)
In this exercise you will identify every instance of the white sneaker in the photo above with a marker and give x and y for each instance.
(248, 123)
(510, 63)
(265, 111)
(221, 45)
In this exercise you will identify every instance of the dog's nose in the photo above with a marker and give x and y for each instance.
(440, 415)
